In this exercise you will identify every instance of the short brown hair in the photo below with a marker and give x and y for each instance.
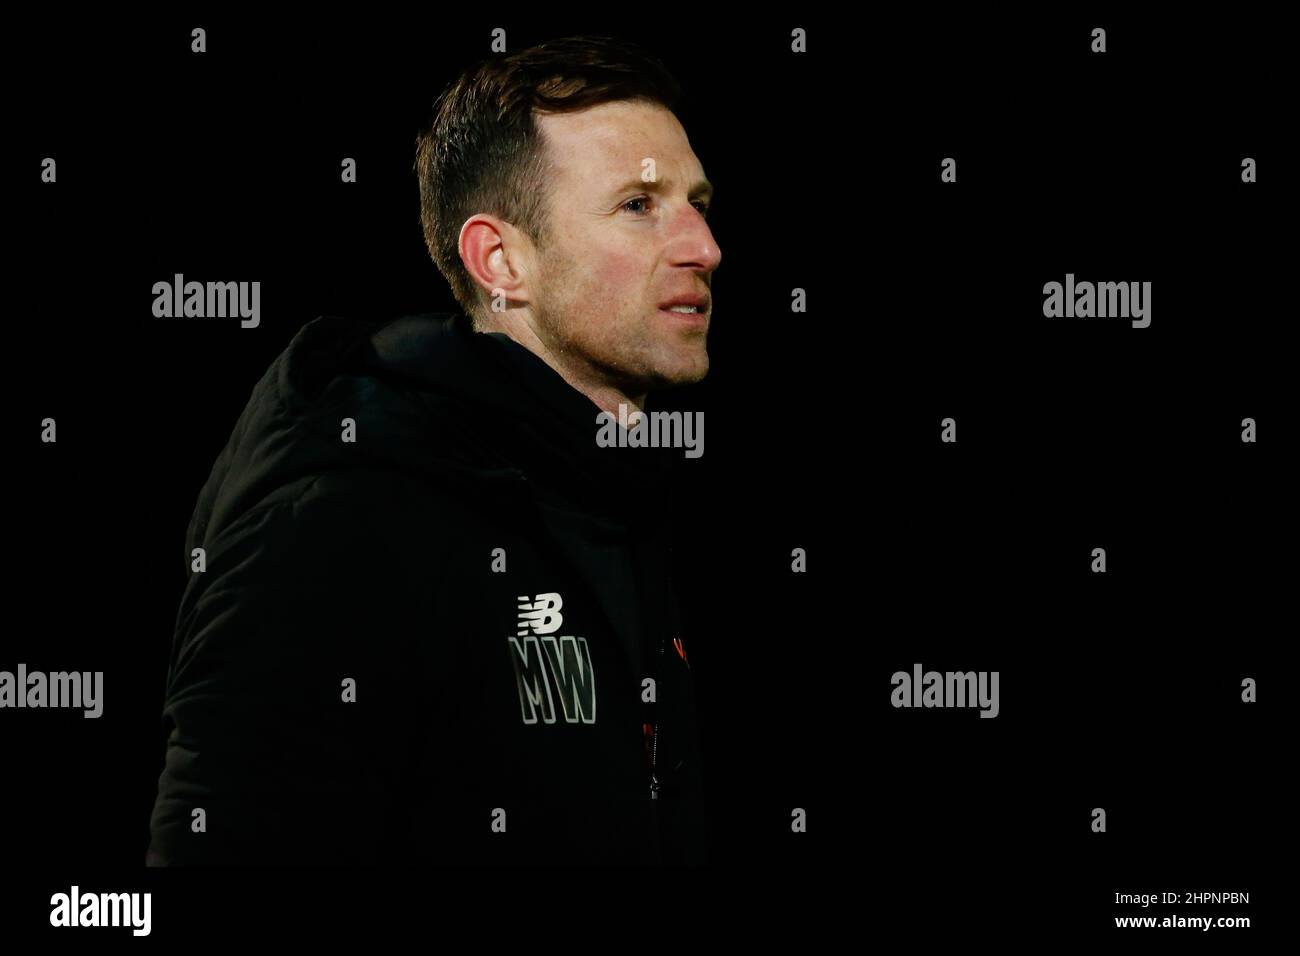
(483, 151)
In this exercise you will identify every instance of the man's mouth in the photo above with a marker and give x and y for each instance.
(690, 309)
(686, 315)
(699, 301)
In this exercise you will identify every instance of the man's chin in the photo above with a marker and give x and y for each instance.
(685, 373)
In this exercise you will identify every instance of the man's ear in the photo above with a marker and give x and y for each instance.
(494, 254)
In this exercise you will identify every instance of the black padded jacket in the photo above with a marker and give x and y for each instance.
(428, 620)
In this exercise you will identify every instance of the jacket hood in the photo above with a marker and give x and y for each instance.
(472, 411)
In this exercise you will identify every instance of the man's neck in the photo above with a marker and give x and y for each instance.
(606, 396)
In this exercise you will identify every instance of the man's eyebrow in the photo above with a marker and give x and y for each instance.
(701, 189)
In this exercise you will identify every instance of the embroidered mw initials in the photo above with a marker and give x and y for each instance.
(551, 667)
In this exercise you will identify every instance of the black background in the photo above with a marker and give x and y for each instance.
(1119, 690)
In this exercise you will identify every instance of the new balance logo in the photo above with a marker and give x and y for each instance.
(542, 614)
(550, 668)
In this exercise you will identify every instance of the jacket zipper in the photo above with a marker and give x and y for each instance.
(654, 739)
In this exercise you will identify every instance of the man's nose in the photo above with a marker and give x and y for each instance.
(694, 244)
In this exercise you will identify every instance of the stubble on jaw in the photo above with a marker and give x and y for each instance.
(633, 363)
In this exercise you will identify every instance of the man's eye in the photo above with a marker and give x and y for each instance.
(701, 205)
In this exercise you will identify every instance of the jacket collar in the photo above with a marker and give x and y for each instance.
(526, 418)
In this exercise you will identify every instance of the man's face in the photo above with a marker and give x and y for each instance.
(619, 248)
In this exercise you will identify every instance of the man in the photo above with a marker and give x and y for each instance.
(430, 618)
